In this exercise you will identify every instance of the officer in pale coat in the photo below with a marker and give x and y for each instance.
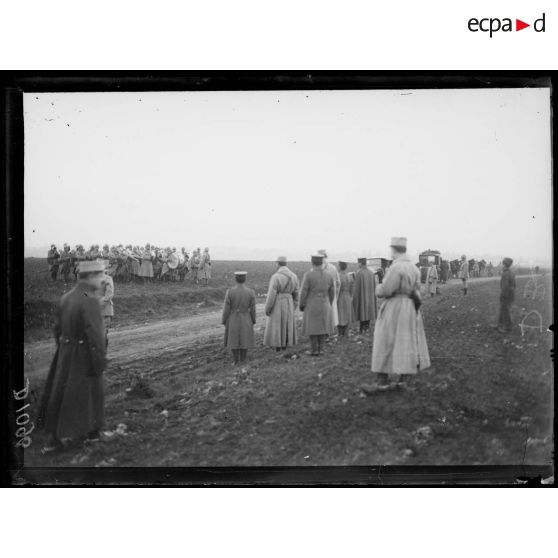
(328, 268)
(282, 296)
(432, 279)
(399, 346)
(316, 298)
(204, 269)
(239, 317)
(105, 294)
(194, 264)
(345, 300)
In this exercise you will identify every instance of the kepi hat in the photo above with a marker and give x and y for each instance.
(507, 262)
(398, 241)
(97, 266)
(281, 259)
(322, 253)
(241, 273)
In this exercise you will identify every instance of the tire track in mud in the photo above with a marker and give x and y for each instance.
(128, 345)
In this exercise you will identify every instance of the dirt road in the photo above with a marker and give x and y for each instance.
(137, 342)
(150, 339)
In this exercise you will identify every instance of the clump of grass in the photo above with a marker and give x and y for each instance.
(139, 387)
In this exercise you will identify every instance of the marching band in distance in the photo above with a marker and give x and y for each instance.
(127, 263)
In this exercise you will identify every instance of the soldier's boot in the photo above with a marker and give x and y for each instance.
(340, 331)
(313, 345)
(382, 379)
(243, 355)
(321, 341)
(465, 291)
(236, 356)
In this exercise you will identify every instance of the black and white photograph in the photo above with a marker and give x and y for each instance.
(319, 276)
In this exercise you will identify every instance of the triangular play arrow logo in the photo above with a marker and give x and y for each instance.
(519, 25)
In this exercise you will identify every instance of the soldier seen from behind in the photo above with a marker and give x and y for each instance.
(239, 317)
(53, 258)
(317, 294)
(364, 296)
(72, 408)
(280, 304)
(507, 296)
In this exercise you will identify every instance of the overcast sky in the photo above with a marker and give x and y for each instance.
(253, 175)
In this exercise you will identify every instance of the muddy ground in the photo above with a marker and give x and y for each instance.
(173, 398)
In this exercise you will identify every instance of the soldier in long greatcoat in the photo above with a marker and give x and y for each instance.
(432, 279)
(239, 317)
(444, 271)
(204, 269)
(105, 295)
(345, 299)
(329, 268)
(183, 264)
(399, 347)
(464, 272)
(73, 401)
(65, 263)
(316, 298)
(282, 297)
(364, 296)
(53, 258)
(507, 296)
(194, 265)
(146, 266)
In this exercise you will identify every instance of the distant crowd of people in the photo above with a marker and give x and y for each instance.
(133, 263)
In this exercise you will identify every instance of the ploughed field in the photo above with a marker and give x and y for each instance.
(173, 399)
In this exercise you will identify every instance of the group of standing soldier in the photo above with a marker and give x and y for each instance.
(332, 299)
(133, 263)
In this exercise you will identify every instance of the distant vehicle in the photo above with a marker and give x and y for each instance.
(425, 259)
(378, 266)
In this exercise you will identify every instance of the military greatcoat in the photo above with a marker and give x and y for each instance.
(73, 402)
(364, 295)
(399, 339)
(239, 317)
(345, 299)
(282, 295)
(316, 297)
